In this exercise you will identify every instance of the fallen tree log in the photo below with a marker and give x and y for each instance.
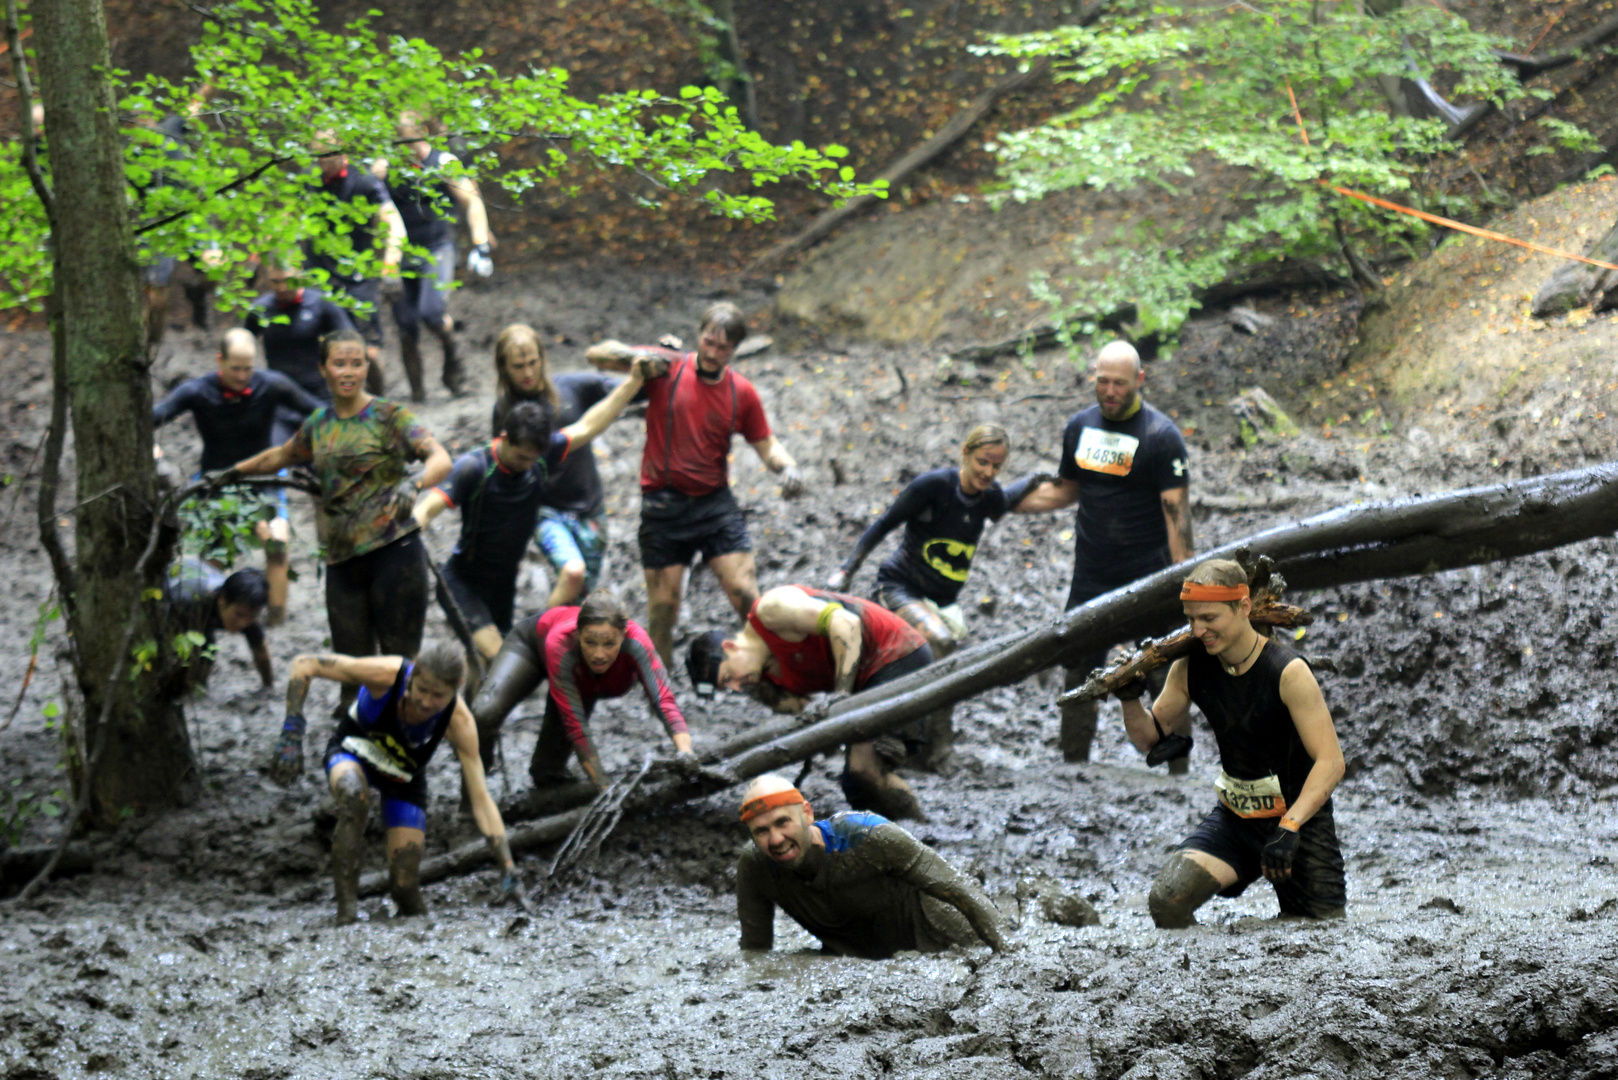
(1418, 535)
(895, 174)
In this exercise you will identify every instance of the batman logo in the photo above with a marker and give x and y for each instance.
(952, 558)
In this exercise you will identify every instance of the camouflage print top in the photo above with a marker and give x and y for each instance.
(359, 463)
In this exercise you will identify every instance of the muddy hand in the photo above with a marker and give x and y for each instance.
(219, 478)
(405, 494)
(1133, 689)
(836, 581)
(1278, 853)
(821, 708)
(648, 366)
(287, 764)
(792, 482)
(671, 341)
(511, 892)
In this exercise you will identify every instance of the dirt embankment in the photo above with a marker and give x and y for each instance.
(1476, 816)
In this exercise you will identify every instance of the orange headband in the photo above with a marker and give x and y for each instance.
(752, 808)
(1211, 593)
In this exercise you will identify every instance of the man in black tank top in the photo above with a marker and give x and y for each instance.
(1278, 753)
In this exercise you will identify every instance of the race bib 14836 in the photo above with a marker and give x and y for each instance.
(1108, 452)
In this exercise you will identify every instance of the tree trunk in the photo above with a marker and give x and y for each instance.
(146, 750)
(1341, 547)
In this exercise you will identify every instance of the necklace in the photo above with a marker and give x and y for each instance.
(1230, 669)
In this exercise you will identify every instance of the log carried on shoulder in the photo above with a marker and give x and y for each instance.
(1419, 535)
(1266, 588)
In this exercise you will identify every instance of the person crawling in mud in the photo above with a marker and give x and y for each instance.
(586, 653)
(856, 881)
(1278, 753)
(405, 708)
(800, 641)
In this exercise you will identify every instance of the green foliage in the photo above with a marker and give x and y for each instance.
(19, 807)
(1179, 90)
(270, 83)
(219, 528)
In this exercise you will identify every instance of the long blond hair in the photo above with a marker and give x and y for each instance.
(510, 339)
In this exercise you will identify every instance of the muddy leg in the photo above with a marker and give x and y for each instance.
(663, 586)
(453, 376)
(1181, 887)
(353, 807)
(548, 766)
(404, 870)
(869, 783)
(410, 357)
(1078, 718)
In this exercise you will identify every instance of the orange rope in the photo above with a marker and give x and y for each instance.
(1450, 223)
(1554, 20)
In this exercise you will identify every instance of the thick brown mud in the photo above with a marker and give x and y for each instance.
(1478, 816)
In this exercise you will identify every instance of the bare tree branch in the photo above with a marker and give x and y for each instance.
(25, 95)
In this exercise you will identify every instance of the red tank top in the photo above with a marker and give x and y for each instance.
(807, 666)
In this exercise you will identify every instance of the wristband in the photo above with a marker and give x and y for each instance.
(294, 724)
(1291, 823)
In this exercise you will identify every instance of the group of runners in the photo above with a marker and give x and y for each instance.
(858, 881)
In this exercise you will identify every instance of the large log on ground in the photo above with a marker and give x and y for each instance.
(1421, 535)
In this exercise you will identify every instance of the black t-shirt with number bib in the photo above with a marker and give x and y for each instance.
(1123, 467)
(1251, 723)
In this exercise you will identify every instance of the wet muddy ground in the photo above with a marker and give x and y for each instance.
(1478, 816)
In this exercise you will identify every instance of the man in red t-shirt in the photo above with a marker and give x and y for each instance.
(686, 503)
(800, 641)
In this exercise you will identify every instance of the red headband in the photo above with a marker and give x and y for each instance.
(1212, 593)
(752, 808)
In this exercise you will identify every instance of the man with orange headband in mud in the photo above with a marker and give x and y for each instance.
(1278, 753)
(858, 882)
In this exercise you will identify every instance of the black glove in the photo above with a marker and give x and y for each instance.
(1167, 747)
(1278, 853)
(1132, 690)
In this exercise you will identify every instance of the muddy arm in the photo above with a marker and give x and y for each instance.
(754, 908)
(463, 737)
(905, 857)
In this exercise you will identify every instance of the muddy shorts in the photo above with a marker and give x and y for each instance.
(486, 599)
(913, 735)
(1317, 888)
(674, 527)
(894, 594)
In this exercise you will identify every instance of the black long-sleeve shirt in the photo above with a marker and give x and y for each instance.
(293, 347)
(234, 425)
(942, 526)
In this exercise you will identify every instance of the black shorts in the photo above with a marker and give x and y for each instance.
(914, 734)
(1317, 888)
(485, 598)
(674, 527)
(894, 593)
